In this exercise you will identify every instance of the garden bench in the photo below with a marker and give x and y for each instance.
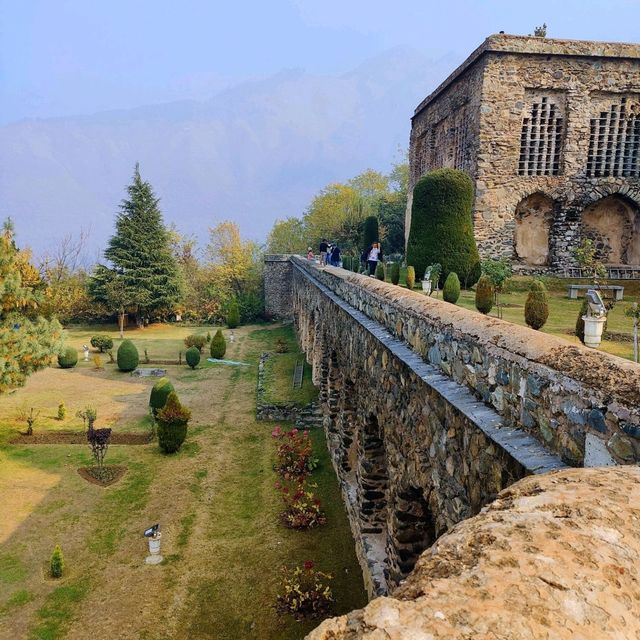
(617, 289)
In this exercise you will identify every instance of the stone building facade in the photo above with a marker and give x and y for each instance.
(549, 131)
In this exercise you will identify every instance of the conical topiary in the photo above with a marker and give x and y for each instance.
(159, 394)
(394, 272)
(192, 356)
(484, 295)
(233, 315)
(536, 308)
(172, 424)
(451, 289)
(56, 564)
(128, 357)
(411, 277)
(218, 345)
(380, 271)
(441, 228)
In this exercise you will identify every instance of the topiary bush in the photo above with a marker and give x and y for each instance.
(68, 358)
(394, 272)
(192, 356)
(56, 564)
(536, 308)
(102, 343)
(580, 322)
(218, 345)
(451, 289)
(127, 357)
(411, 277)
(159, 394)
(370, 232)
(484, 295)
(172, 424)
(441, 225)
(346, 262)
(233, 315)
(380, 271)
(197, 340)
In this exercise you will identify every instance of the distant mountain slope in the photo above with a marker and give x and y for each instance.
(252, 153)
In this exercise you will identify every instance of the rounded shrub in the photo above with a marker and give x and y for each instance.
(233, 315)
(441, 225)
(411, 277)
(197, 340)
(380, 271)
(102, 343)
(56, 564)
(484, 295)
(159, 394)
(394, 272)
(128, 357)
(536, 308)
(346, 262)
(218, 345)
(451, 289)
(192, 357)
(172, 424)
(370, 232)
(68, 358)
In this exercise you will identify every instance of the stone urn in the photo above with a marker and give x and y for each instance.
(154, 556)
(426, 286)
(593, 326)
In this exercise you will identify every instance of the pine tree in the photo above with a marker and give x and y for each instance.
(144, 272)
(28, 342)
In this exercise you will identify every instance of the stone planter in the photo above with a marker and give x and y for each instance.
(154, 556)
(426, 286)
(593, 326)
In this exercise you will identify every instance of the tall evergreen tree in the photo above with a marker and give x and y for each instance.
(144, 273)
(28, 342)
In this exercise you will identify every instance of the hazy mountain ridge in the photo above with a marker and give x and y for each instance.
(253, 152)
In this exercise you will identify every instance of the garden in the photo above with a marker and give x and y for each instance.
(234, 545)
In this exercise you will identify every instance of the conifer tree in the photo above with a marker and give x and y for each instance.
(28, 342)
(144, 273)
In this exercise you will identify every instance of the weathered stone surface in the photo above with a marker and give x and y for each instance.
(553, 556)
(277, 287)
(535, 123)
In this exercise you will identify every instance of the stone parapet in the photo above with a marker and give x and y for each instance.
(570, 398)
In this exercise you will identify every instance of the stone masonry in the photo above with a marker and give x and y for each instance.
(549, 131)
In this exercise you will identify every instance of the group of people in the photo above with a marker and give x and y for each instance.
(330, 255)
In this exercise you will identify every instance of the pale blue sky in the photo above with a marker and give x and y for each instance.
(80, 56)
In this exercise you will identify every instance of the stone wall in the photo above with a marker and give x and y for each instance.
(414, 450)
(277, 287)
(576, 401)
(554, 117)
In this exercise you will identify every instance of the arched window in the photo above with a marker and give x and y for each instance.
(533, 218)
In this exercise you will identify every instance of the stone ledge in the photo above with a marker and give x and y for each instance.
(553, 556)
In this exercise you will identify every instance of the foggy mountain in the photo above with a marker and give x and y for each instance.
(252, 153)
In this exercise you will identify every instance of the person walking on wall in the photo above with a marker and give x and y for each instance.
(324, 246)
(335, 256)
(373, 258)
(365, 256)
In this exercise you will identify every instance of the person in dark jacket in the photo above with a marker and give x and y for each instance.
(324, 247)
(335, 256)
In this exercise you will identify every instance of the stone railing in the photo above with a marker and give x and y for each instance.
(582, 404)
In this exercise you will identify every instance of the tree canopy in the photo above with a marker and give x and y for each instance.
(28, 342)
(143, 272)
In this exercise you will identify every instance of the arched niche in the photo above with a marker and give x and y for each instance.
(533, 218)
(613, 225)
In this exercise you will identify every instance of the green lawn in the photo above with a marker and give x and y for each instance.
(279, 369)
(216, 502)
(562, 311)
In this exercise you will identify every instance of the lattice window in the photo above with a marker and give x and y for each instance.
(614, 141)
(541, 139)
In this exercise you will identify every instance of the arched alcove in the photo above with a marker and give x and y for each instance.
(533, 218)
(614, 226)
